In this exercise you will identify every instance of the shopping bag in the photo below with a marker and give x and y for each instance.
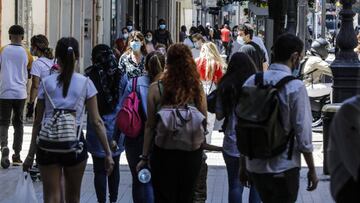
(24, 191)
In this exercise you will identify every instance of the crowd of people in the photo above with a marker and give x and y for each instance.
(163, 89)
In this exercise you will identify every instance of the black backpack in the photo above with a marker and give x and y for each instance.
(260, 133)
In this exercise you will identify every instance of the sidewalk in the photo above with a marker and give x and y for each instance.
(217, 177)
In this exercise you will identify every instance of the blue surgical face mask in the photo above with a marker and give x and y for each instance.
(135, 46)
(162, 26)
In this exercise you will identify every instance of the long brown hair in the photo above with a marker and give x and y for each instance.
(154, 65)
(42, 44)
(181, 79)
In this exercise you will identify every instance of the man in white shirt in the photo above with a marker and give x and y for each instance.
(15, 62)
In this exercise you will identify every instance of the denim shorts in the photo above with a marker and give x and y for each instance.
(62, 159)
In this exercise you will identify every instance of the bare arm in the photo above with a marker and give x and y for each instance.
(97, 122)
(34, 88)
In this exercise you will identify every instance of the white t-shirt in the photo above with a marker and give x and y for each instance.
(14, 63)
(75, 99)
(41, 67)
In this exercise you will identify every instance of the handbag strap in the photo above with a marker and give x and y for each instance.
(48, 96)
(134, 84)
(83, 109)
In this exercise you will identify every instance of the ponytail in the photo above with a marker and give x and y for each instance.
(67, 52)
(48, 53)
(42, 44)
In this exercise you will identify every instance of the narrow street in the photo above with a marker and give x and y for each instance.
(217, 177)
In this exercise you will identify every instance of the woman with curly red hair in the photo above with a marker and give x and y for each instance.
(174, 171)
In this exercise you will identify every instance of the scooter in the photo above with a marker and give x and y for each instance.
(319, 93)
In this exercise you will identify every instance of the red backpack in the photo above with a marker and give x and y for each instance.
(128, 119)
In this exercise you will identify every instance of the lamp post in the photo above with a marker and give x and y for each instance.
(346, 67)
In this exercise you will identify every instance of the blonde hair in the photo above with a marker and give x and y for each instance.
(211, 55)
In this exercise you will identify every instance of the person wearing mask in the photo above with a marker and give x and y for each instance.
(251, 48)
(154, 65)
(121, 43)
(174, 171)
(188, 40)
(15, 62)
(130, 26)
(162, 35)
(236, 42)
(182, 34)
(259, 40)
(42, 67)
(198, 40)
(225, 38)
(161, 48)
(106, 76)
(240, 68)
(150, 41)
(272, 177)
(131, 63)
(71, 91)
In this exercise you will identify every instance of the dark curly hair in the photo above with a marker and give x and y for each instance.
(42, 44)
(181, 79)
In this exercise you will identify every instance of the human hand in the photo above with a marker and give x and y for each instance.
(312, 180)
(141, 165)
(109, 164)
(28, 162)
(244, 178)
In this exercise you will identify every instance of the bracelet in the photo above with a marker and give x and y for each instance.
(144, 157)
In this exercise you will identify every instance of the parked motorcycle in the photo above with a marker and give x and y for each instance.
(317, 77)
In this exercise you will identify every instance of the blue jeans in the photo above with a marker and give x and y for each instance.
(142, 193)
(235, 187)
(100, 179)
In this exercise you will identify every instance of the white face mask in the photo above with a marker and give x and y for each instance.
(240, 40)
(126, 35)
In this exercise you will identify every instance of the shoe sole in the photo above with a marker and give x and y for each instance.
(16, 164)
(5, 163)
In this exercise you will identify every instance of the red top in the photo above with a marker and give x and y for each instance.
(225, 35)
(201, 66)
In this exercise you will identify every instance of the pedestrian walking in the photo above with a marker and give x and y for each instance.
(15, 62)
(62, 97)
(225, 38)
(175, 165)
(154, 65)
(344, 150)
(251, 48)
(188, 40)
(41, 68)
(240, 68)
(150, 41)
(121, 43)
(132, 61)
(162, 35)
(182, 34)
(106, 76)
(211, 68)
(198, 41)
(276, 175)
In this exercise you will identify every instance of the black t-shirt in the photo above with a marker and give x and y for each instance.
(256, 54)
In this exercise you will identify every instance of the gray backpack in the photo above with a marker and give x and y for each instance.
(260, 133)
(180, 127)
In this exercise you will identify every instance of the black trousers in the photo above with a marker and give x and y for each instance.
(350, 193)
(277, 187)
(15, 107)
(174, 174)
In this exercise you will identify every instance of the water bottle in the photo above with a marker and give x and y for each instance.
(144, 175)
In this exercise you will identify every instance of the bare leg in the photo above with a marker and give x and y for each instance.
(73, 177)
(51, 176)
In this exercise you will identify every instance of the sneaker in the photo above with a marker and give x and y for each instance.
(16, 160)
(5, 163)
